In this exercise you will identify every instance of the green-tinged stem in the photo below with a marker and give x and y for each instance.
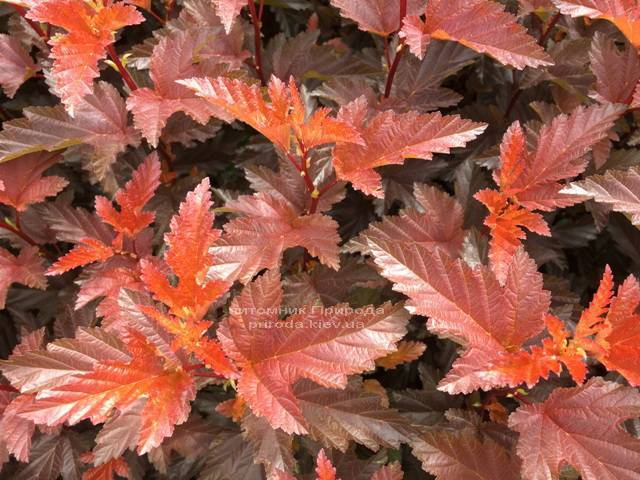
(18, 232)
(126, 76)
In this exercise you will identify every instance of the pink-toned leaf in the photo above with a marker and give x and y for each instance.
(174, 59)
(267, 226)
(381, 17)
(26, 268)
(617, 72)
(580, 427)
(618, 189)
(16, 65)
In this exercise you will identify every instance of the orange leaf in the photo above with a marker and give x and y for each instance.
(89, 250)
(91, 28)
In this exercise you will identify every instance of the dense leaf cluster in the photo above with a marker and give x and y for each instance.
(357, 240)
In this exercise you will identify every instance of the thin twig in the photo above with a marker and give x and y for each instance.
(393, 69)
(257, 38)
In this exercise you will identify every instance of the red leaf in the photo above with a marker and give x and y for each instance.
(323, 346)
(482, 25)
(436, 222)
(132, 219)
(268, 225)
(16, 65)
(408, 351)
(26, 268)
(581, 427)
(381, 17)
(391, 137)
(22, 183)
(624, 14)
(76, 54)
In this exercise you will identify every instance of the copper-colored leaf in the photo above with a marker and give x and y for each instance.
(100, 122)
(176, 57)
(461, 455)
(324, 346)
(25, 268)
(408, 351)
(268, 225)
(624, 14)
(530, 181)
(131, 219)
(437, 221)
(23, 184)
(581, 427)
(116, 384)
(482, 25)
(469, 306)
(391, 137)
(337, 417)
(381, 17)
(618, 189)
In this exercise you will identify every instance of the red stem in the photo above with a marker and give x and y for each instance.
(547, 31)
(18, 232)
(328, 187)
(403, 12)
(126, 76)
(257, 37)
(37, 28)
(393, 69)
